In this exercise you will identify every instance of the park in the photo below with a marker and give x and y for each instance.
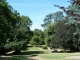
(59, 39)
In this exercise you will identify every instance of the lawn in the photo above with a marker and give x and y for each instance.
(59, 56)
(45, 54)
(54, 56)
(18, 57)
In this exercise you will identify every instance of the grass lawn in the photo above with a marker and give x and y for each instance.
(46, 54)
(53, 56)
(59, 56)
(18, 57)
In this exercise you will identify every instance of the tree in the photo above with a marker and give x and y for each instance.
(47, 20)
(21, 36)
(60, 36)
(14, 30)
(35, 40)
(49, 34)
(38, 34)
(73, 24)
(8, 20)
(58, 16)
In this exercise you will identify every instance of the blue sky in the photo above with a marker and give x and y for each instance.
(37, 9)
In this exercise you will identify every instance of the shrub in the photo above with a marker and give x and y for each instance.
(44, 47)
(19, 57)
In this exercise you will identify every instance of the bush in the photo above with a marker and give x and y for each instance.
(19, 57)
(44, 47)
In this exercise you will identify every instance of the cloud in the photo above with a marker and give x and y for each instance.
(34, 5)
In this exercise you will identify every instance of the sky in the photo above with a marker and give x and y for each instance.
(37, 9)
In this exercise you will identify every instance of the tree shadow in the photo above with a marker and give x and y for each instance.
(32, 52)
(5, 58)
(24, 53)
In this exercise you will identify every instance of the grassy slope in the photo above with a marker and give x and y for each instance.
(55, 56)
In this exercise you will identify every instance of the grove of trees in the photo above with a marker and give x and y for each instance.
(65, 30)
(14, 29)
(61, 29)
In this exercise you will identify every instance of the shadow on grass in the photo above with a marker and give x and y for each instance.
(24, 53)
(5, 58)
(32, 52)
(29, 54)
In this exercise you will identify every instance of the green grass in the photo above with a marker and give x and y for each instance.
(38, 49)
(19, 57)
(53, 56)
(33, 49)
(58, 55)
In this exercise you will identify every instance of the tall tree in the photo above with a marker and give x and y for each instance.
(22, 35)
(73, 13)
(47, 20)
(58, 16)
(12, 27)
(49, 34)
(8, 20)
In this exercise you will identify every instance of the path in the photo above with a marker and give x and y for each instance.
(35, 57)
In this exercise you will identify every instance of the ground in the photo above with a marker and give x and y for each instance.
(35, 53)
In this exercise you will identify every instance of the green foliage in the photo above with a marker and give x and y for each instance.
(35, 40)
(58, 16)
(72, 41)
(60, 34)
(8, 20)
(38, 37)
(19, 57)
(44, 47)
(38, 32)
(14, 30)
(66, 29)
(47, 20)
(49, 34)
(26, 21)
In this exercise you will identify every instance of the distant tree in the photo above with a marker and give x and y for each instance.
(47, 20)
(49, 34)
(38, 34)
(35, 40)
(58, 16)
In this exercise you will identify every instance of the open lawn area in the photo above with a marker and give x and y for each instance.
(37, 53)
(46, 54)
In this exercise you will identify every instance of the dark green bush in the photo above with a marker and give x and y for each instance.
(44, 47)
(19, 57)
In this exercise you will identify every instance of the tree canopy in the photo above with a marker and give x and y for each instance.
(14, 29)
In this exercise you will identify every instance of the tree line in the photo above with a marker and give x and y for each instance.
(64, 32)
(61, 29)
(15, 30)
